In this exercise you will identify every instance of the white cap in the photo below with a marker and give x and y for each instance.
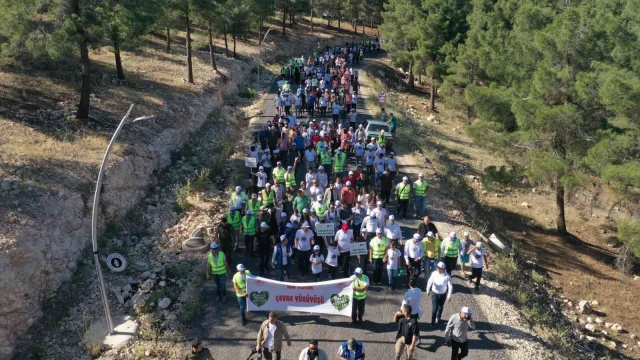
(289, 167)
(479, 245)
(379, 203)
(340, 149)
(249, 212)
(378, 231)
(316, 248)
(392, 217)
(214, 246)
(267, 184)
(320, 167)
(430, 234)
(319, 197)
(264, 225)
(452, 235)
(421, 175)
(337, 202)
(350, 172)
(240, 267)
(392, 153)
(382, 131)
(238, 188)
(358, 271)
(465, 310)
(262, 167)
(305, 211)
(404, 178)
(441, 265)
(349, 182)
(466, 233)
(416, 236)
(305, 224)
(284, 215)
(283, 237)
(279, 162)
(276, 151)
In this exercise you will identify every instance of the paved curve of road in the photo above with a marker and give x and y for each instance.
(221, 330)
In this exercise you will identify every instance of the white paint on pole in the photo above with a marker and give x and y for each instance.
(359, 248)
(325, 229)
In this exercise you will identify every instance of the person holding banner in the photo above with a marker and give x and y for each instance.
(270, 336)
(360, 286)
(240, 286)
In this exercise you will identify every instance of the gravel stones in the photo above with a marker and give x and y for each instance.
(585, 307)
(164, 303)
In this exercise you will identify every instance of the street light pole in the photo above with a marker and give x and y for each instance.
(94, 215)
(260, 52)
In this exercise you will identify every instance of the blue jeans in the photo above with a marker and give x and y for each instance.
(429, 267)
(283, 269)
(419, 203)
(391, 273)
(437, 305)
(242, 303)
(221, 284)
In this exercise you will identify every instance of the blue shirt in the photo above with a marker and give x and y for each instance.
(299, 142)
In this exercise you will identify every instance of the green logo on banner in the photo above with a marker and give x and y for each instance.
(259, 298)
(340, 302)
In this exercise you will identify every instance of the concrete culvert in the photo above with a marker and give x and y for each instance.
(195, 244)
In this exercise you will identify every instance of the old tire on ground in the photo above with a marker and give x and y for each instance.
(195, 244)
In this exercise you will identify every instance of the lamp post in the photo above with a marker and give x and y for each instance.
(260, 52)
(94, 216)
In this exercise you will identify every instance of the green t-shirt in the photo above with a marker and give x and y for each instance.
(363, 183)
(393, 122)
(301, 203)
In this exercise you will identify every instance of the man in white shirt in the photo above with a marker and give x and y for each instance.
(391, 163)
(310, 158)
(303, 244)
(440, 288)
(392, 231)
(412, 298)
(261, 178)
(477, 254)
(413, 253)
(381, 215)
(323, 178)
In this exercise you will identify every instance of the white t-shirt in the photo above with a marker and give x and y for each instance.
(271, 336)
(316, 268)
(359, 149)
(262, 179)
(332, 256)
(344, 239)
(392, 258)
(304, 239)
(379, 164)
(477, 260)
(412, 298)
(369, 155)
(391, 164)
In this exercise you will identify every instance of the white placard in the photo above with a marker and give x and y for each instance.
(327, 297)
(325, 229)
(359, 248)
(250, 162)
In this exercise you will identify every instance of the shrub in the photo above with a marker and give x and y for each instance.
(182, 196)
(538, 278)
(494, 178)
(248, 93)
(201, 180)
(506, 269)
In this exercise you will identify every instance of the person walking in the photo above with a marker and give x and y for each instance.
(449, 250)
(316, 259)
(282, 254)
(412, 299)
(427, 226)
(439, 288)
(392, 259)
(420, 187)
(344, 238)
(333, 254)
(270, 335)
(198, 351)
(385, 182)
(218, 266)
(403, 191)
(431, 246)
(262, 246)
(413, 253)
(238, 199)
(303, 244)
(351, 350)
(233, 219)
(466, 244)
(477, 253)
(408, 334)
(249, 227)
(313, 352)
(360, 286)
(240, 287)
(377, 255)
(225, 237)
(456, 333)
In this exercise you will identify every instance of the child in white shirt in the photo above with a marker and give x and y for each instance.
(316, 260)
(333, 253)
(393, 256)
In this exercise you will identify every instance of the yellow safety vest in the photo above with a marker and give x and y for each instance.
(382, 140)
(404, 191)
(338, 165)
(360, 294)
(290, 179)
(421, 187)
(235, 222)
(278, 173)
(325, 159)
(320, 210)
(378, 251)
(320, 145)
(254, 205)
(242, 284)
(217, 268)
(248, 229)
(452, 251)
(232, 201)
(431, 254)
(268, 200)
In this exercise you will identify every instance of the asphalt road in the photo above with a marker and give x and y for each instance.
(222, 332)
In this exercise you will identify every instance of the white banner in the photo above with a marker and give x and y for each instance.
(328, 297)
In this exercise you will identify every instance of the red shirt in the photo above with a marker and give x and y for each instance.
(315, 139)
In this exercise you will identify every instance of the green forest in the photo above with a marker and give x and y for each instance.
(551, 86)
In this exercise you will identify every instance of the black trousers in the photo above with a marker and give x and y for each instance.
(304, 265)
(377, 271)
(476, 273)
(269, 355)
(343, 261)
(437, 305)
(263, 258)
(402, 207)
(459, 350)
(450, 263)
(357, 310)
(386, 194)
(413, 269)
